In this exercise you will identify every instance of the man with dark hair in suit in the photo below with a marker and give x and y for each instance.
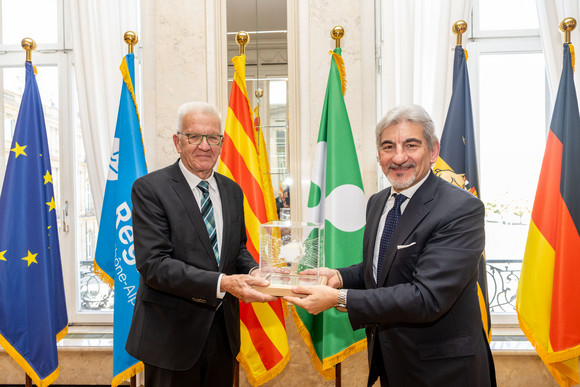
(190, 248)
(416, 290)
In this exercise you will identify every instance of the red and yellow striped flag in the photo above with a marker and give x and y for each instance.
(264, 349)
(548, 303)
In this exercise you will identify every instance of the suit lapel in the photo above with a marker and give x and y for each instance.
(226, 199)
(414, 213)
(183, 191)
(373, 226)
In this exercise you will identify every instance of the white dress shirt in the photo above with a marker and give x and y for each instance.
(409, 192)
(214, 195)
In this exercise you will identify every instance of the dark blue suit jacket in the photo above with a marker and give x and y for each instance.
(177, 300)
(424, 313)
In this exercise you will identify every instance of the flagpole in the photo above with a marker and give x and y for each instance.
(29, 45)
(459, 28)
(131, 39)
(337, 33)
(566, 26)
(242, 38)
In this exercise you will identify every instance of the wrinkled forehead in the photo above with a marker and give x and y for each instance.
(202, 123)
(402, 132)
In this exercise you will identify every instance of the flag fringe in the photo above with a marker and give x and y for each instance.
(326, 367)
(327, 374)
(128, 374)
(103, 276)
(561, 373)
(341, 70)
(285, 309)
(345, 353)
(483, 311)
(19, 359)
(129, 83)
(573, 57)
(239, 63)
(265, 377)
(60, 335)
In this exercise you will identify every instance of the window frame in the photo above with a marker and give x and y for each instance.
(59, 55)
(485, 42)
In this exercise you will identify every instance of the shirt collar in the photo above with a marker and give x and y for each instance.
(193, 180)
(409, 192)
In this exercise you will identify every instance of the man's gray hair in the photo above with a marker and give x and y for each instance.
(408, 113)
(196, 107)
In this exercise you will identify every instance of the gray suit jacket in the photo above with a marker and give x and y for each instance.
(176, 300)
(424, 313)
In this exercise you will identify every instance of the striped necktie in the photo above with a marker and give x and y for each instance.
(208, 217)
(390, 225)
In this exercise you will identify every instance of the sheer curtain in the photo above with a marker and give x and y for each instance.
(550, 14)
(97, 32)
(416, 45)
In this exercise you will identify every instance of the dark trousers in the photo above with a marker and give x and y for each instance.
(377, 368)
(214, 368)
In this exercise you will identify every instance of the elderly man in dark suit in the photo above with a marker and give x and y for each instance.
(190, 248)
(416, 290)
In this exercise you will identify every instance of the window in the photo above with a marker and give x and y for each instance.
(511, 111)
(86, 294)
(266, 69)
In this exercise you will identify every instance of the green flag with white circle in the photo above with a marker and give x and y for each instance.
(336, 199)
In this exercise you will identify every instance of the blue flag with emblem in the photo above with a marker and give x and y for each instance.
(115, 256)
(33, 313)
(457, 162)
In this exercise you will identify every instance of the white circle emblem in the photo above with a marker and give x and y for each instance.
(345, 208)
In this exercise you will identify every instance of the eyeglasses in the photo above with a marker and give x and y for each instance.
(196, 139)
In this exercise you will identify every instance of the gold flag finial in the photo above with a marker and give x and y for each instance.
(131, 39)
(566, 26)
(337, 33)
(259, 93)
(242, 39)
(29, 45)
(459, 28)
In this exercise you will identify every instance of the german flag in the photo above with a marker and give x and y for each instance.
(548, 296)
(457, 162)
(264, 349)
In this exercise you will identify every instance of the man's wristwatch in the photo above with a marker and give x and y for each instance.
(341, 303)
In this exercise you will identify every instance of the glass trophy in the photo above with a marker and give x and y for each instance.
(286, 250)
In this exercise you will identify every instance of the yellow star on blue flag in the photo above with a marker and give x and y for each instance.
(30, 258)
(19, 150)
(50, 204)
(47, 177)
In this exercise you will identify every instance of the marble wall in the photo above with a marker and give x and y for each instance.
(184, 59)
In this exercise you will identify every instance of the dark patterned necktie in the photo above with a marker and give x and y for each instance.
(390, 225)
(208, 217)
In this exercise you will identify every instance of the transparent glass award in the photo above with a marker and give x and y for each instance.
(287, 249)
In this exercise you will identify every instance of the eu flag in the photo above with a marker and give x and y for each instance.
(457, 162)
(115, 255)
(33, 313)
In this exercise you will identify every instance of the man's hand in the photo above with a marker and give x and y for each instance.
(319, 299)
(333, 280)
(240, 286)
